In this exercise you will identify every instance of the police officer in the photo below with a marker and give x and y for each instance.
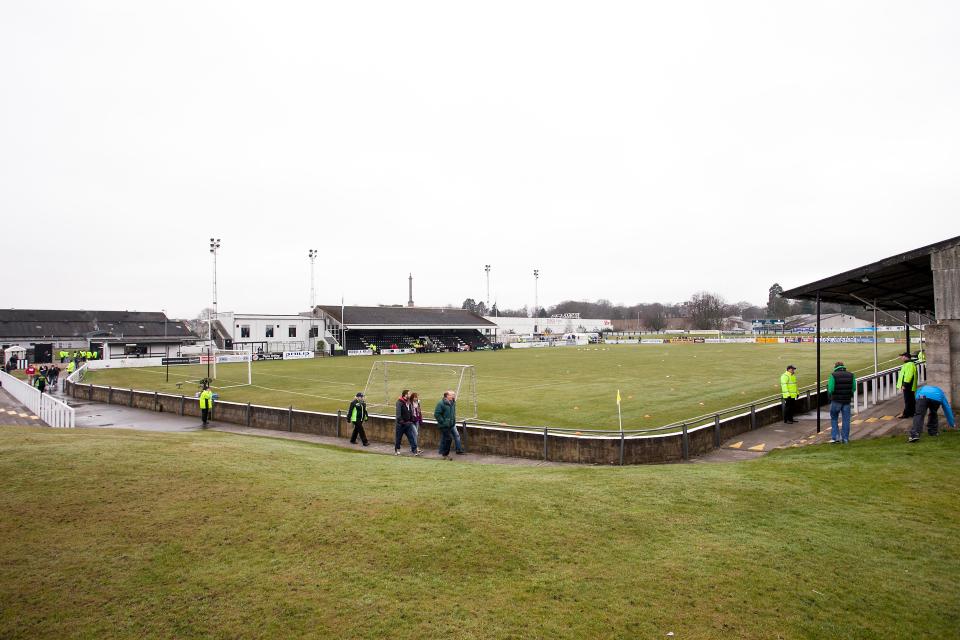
(907, 382)
(788, 389)
(206, 404)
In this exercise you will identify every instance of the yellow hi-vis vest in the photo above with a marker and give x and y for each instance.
(788, 385)
(907, 376)
(206, 399)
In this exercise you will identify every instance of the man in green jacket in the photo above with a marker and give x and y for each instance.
(907, 382)
(446, 417)
(788, 389)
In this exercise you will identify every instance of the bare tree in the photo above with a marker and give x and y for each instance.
(706, 310)
(654, 317)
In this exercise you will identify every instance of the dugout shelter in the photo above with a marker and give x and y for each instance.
(924, 284)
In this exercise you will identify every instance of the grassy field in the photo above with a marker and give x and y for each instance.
(559, 387)
(122, 534)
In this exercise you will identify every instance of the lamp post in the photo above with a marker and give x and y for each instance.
(486, 268)
(536, 300)
(312, 254)
(214, 246)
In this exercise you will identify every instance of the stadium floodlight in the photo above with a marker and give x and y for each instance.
(536, 301)
(214, 246)
(486, 268)
(312, 254)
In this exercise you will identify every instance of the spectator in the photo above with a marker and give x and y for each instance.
(930, 398)
(405, 425)
(417, 414)
(446, 416)
(840, 389)
(40, 382)
(788, 389)
(357, 415)
(907, 381)
(31, 373)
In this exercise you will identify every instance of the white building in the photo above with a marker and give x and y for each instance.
(269, 333)
(547, 326)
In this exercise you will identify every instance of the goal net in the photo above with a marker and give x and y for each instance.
(389, 377)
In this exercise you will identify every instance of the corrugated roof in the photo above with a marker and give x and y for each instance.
(65, 323)
(406, 316)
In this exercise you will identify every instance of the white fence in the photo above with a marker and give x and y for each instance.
(879, 387)
(52, 411)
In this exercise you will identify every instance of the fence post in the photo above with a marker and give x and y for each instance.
(621, 447)
(753, 417)
(544, 443)
(716, 430)
(131, 396)
(290, 418)
(183, 404)
(686, 442)
(109, 395)
(156, 400)
(463, 436)
(248, 414)
(338, 422)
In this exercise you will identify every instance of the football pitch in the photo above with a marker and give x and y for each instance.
(571, 387)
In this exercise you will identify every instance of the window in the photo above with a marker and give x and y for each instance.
(314, 332)
(269, 332)
(245, 331)
(291, 331)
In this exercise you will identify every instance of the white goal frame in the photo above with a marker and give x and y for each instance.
(380, 378)
(224, 356)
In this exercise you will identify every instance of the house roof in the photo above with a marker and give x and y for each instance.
(62, 323)
(903, 281)
(412, 317)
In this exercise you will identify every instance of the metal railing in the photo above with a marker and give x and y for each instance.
(50, 410)
(879, 387)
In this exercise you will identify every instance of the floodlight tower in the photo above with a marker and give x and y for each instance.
(214, 246)
(486, 268)
(536, 301)
(312, 254)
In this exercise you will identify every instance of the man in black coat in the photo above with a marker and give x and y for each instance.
(357, 415)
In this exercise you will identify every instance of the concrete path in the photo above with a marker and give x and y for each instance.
(15, 414)
(876, 422)
(95, 415)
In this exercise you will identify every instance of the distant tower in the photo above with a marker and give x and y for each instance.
(410, 301)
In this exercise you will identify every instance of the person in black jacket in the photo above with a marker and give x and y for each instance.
(405, 424)
(840, 389)
(357, 415)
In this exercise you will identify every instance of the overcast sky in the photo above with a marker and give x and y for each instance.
(634, 151)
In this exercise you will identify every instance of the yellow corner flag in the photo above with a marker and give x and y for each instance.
(618, 396)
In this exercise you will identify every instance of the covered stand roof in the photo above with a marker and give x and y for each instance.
(406, 318)
(900, 282)
(66, 323)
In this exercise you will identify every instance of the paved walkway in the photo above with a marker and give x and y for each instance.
(96, 415)
(14, 413)
(875, 422)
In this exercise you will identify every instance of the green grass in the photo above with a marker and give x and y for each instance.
(121, 534)
(558, 387)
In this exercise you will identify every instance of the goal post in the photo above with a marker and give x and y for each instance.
(429, 379)
(231, 368)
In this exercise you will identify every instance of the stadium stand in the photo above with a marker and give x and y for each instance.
(419, 328)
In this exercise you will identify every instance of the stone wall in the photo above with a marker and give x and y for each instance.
(699, 438)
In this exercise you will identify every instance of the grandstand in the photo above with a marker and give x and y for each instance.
(407, 329)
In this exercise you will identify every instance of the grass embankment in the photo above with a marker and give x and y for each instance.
(118, 534)
(557, 387)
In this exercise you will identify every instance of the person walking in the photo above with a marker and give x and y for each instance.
(840, 389)
(445, 414)
(357, 415)
(417, 413)
(40, 381)
(788, 389)
(31, 373)
(907, 382)
(930, 399)
(404, 425)
(206, 404)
